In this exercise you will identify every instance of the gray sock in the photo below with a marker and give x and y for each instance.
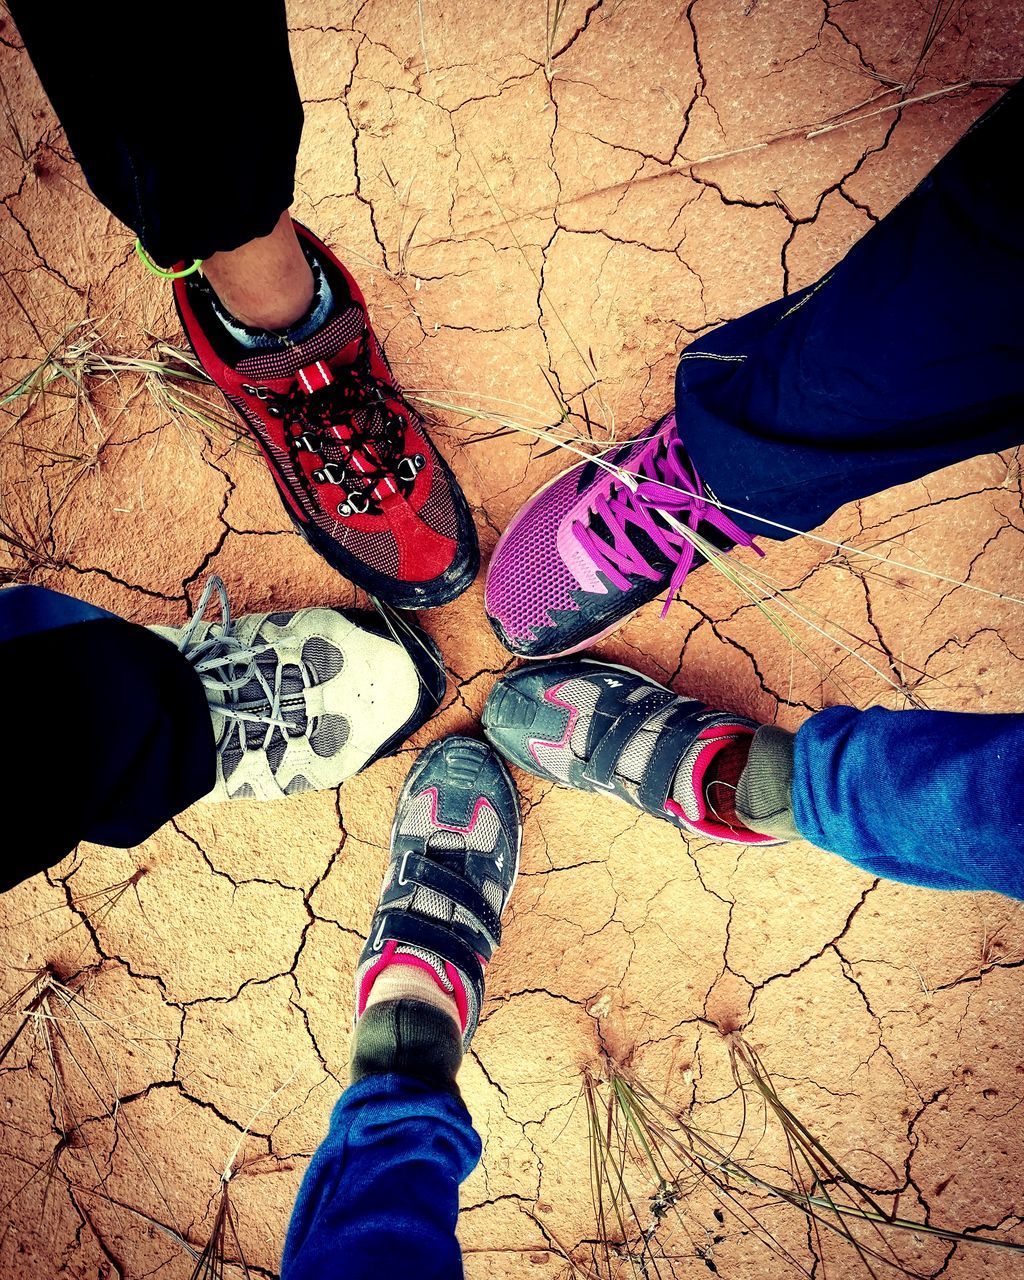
(407, 1037)
(764, 796)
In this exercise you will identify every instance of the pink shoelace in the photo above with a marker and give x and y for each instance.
(667, 483)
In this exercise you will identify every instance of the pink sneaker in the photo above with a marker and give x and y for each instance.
(597, 543)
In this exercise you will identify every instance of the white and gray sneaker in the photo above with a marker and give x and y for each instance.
(302, 700)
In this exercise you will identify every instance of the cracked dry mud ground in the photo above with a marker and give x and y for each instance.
(505, 226)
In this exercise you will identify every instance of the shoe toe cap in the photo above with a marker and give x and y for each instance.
(462, 770)
(510, 707)
(518, 713)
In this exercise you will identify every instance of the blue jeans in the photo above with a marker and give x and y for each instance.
(928, 797)
(381, 1195)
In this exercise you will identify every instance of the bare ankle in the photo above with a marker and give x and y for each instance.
(265, 283)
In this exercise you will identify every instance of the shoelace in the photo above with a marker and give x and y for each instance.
(226, 664)
(368, 465)
(665, 483)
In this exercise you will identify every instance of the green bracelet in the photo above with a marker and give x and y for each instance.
(151, 266)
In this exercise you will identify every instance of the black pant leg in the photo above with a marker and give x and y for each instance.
(108, 736)
(907, 357)
(185, 118)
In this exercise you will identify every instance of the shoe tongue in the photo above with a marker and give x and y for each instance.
(292, 708)
(688, 784)
(329, 343)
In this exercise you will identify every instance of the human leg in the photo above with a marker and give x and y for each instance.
(906, 357)
(118, 727)
(109, 730)
(927, 797)
(381, 1194)
(195, 150)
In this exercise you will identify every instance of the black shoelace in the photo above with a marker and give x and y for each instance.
(364, 458)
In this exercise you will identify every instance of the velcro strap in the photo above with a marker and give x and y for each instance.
(314, 377)
(669, 749)
(601, 768)
(430, 935)
(417, 872)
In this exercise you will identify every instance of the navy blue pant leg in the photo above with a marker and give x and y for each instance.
(381, 1195)
(907, 357)
(108, 729)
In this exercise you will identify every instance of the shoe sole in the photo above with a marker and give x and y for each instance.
(576, 648)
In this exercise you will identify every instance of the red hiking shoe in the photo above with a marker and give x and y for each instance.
(358, 473)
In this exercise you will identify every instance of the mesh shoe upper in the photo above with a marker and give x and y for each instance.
(357, 471)
(605, 729)
(454, 858)
(598, 542)
(300, 700)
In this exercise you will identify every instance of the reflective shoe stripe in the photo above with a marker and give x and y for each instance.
(314, 377)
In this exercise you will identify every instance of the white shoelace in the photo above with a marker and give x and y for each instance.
(226, 665)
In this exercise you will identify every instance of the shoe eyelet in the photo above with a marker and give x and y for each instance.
(330, 473)
(248, 390)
